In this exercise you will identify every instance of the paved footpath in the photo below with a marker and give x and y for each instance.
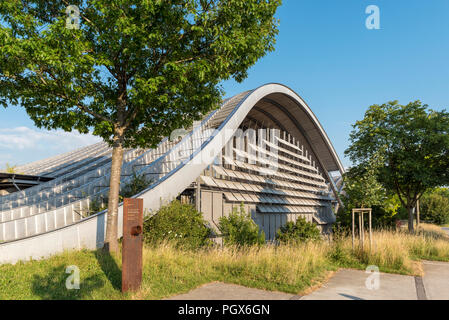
(351, 285)
(224, 291)
(344, 285)
(436, 280)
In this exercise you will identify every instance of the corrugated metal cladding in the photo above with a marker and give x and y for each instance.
(273, 175)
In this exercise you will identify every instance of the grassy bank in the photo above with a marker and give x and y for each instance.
(168, 271)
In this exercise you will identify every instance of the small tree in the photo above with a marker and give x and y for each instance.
(130, 70)
(240, 229)
(361, 187)
(414, 144)
(363, 190)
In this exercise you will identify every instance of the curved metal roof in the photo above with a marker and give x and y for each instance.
(282, 107)
(174, 169)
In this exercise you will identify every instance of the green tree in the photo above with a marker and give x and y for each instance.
(434, 206)
(131, 71)
(363, 190)
(361, 187)
(414, 143)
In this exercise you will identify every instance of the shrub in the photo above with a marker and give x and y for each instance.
(179, 224)
(96, 205)
(137, 184)
(239, 229)
(299, 231)
(434, 208)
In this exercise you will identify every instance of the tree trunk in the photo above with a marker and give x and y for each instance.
(417, 214)
(411, 228)
(111, 243)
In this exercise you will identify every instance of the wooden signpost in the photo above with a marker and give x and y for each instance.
(132, 244)
(360, 212)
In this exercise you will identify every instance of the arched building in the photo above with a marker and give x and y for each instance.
(264, 148)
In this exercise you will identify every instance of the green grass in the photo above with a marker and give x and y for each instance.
(168, 271)
(45, 279)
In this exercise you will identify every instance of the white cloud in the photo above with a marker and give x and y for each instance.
(4, 159)
(23, 144)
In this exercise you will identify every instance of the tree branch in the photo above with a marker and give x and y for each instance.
(78, 104)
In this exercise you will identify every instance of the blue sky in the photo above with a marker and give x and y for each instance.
(325, 53)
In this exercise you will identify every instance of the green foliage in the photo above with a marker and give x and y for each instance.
(362, 188)
(441, 191)
(239, 229)
(434, 208)
(96, 205)
(383, 216)
(299, 231)
(180, 224)
(413, 142)
(134, 70)
(10, 169)
(137, 184)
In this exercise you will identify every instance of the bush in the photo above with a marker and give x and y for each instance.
(96, 205)
(299, 231)
(239, 229)
(434, 208)
(137, 184)
(179, 224)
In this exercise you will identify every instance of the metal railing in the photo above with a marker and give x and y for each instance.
(165, 160)
(82, 186)
(69, 171)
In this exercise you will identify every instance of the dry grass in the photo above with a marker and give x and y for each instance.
(168, 271)
(431, 230)
(397, 252)
(296, 268)
(282, 268)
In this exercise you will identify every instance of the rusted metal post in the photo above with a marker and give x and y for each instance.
(132, 244)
